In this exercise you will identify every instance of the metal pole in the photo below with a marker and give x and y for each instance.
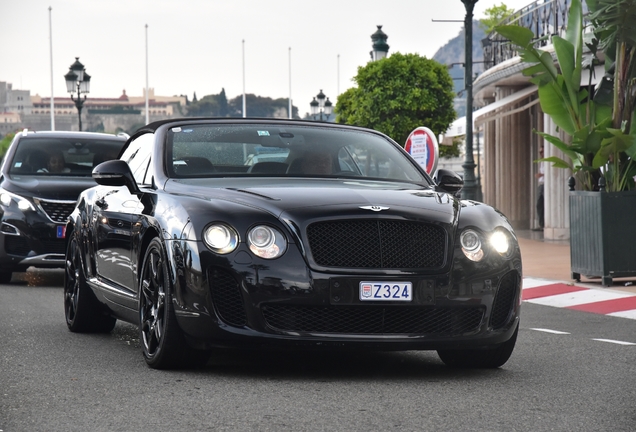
(470, 185)
(78, 104)
(289, 110)
(147, 102)
(51, 51)
(244, 108)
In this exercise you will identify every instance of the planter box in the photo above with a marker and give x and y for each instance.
(602, 234)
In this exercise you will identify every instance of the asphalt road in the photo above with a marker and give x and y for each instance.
(54, 380)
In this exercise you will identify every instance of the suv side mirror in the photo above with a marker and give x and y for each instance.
(115, 173)
(449, 181)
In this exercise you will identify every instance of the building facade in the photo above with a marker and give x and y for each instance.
(19, 110)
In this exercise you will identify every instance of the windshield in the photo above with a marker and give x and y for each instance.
(289, 151)
(46, 156)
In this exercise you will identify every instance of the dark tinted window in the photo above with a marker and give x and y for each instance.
(45, 156)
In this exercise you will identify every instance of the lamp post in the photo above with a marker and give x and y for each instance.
(77, 80)
(470, 184)
(321, 104)
(380, 47)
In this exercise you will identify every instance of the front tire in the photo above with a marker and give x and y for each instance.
(488, 358)
(164, 346)
(83, 312)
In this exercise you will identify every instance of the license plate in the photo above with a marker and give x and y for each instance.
(61, 231)
(386, 291)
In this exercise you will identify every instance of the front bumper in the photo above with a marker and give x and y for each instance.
(30, 239)
(253, 304)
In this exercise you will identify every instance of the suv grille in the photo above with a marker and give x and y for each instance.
(57, 211)
(374, 320)
(381, 244)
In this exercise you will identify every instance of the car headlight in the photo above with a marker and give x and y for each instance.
(471, 245)
(221, 238)
(266, 242)
(23, 204)
(500, 242)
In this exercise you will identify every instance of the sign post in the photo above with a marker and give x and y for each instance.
(423, 147)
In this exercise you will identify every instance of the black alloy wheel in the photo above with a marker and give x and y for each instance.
(164, 346)
(486, 358)
(83, 312)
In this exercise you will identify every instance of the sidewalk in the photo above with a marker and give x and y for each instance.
(548, 259)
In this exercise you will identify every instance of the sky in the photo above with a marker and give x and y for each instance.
(262, 47)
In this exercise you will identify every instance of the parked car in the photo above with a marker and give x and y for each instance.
(347, 243)
(41, 177)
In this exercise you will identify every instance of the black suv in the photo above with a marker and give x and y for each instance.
(41, 177)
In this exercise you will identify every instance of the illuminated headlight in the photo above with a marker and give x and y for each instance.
(220, 238)
(7, 197)
(266, 242)
(500, 242)
(471, 245)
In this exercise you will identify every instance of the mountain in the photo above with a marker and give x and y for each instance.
(453, 52)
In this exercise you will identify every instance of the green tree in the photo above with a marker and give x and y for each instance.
(4, 143)
(398, 94)
(494, 16)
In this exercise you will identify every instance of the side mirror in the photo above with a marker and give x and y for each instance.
(449, 181)
(115, 173)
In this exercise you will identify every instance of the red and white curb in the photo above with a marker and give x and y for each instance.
(600, 301)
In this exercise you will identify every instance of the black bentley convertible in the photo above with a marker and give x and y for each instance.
(339, 240)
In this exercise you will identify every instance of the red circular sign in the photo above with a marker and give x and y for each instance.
(422, 146)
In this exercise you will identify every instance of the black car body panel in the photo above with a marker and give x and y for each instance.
(33, 235)
(341, 232)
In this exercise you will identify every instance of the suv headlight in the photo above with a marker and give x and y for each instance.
(23, 204)
(266, 242)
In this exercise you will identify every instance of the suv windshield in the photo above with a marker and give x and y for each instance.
(214, 150)
(46, 156)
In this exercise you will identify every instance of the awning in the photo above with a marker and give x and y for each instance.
(458, 127)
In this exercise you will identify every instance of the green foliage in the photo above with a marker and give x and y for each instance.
(450, 151)
(398, 94)
(218, 106)
(4, 143)
(602, 140)
(258, 106)
(493, 16)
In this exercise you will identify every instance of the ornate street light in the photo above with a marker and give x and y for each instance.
(470, 190)
(321, 104)
(380, 47)
(77, 80)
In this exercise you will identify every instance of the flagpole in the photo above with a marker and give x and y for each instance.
(51, 53)
(244, 108)
(289, 110)
(147, 102)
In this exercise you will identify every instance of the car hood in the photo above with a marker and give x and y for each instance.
(49, 187)
(311, 199)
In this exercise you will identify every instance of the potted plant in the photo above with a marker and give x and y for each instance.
(601, 144)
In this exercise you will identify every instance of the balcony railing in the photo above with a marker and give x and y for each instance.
(545, 18)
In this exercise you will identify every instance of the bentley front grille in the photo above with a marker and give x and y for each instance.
(378, 244)
(57, 211)
(374, 320)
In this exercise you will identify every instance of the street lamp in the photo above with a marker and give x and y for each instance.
(321, 104)
(380, 47)
(470, 182)
(77, 80)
